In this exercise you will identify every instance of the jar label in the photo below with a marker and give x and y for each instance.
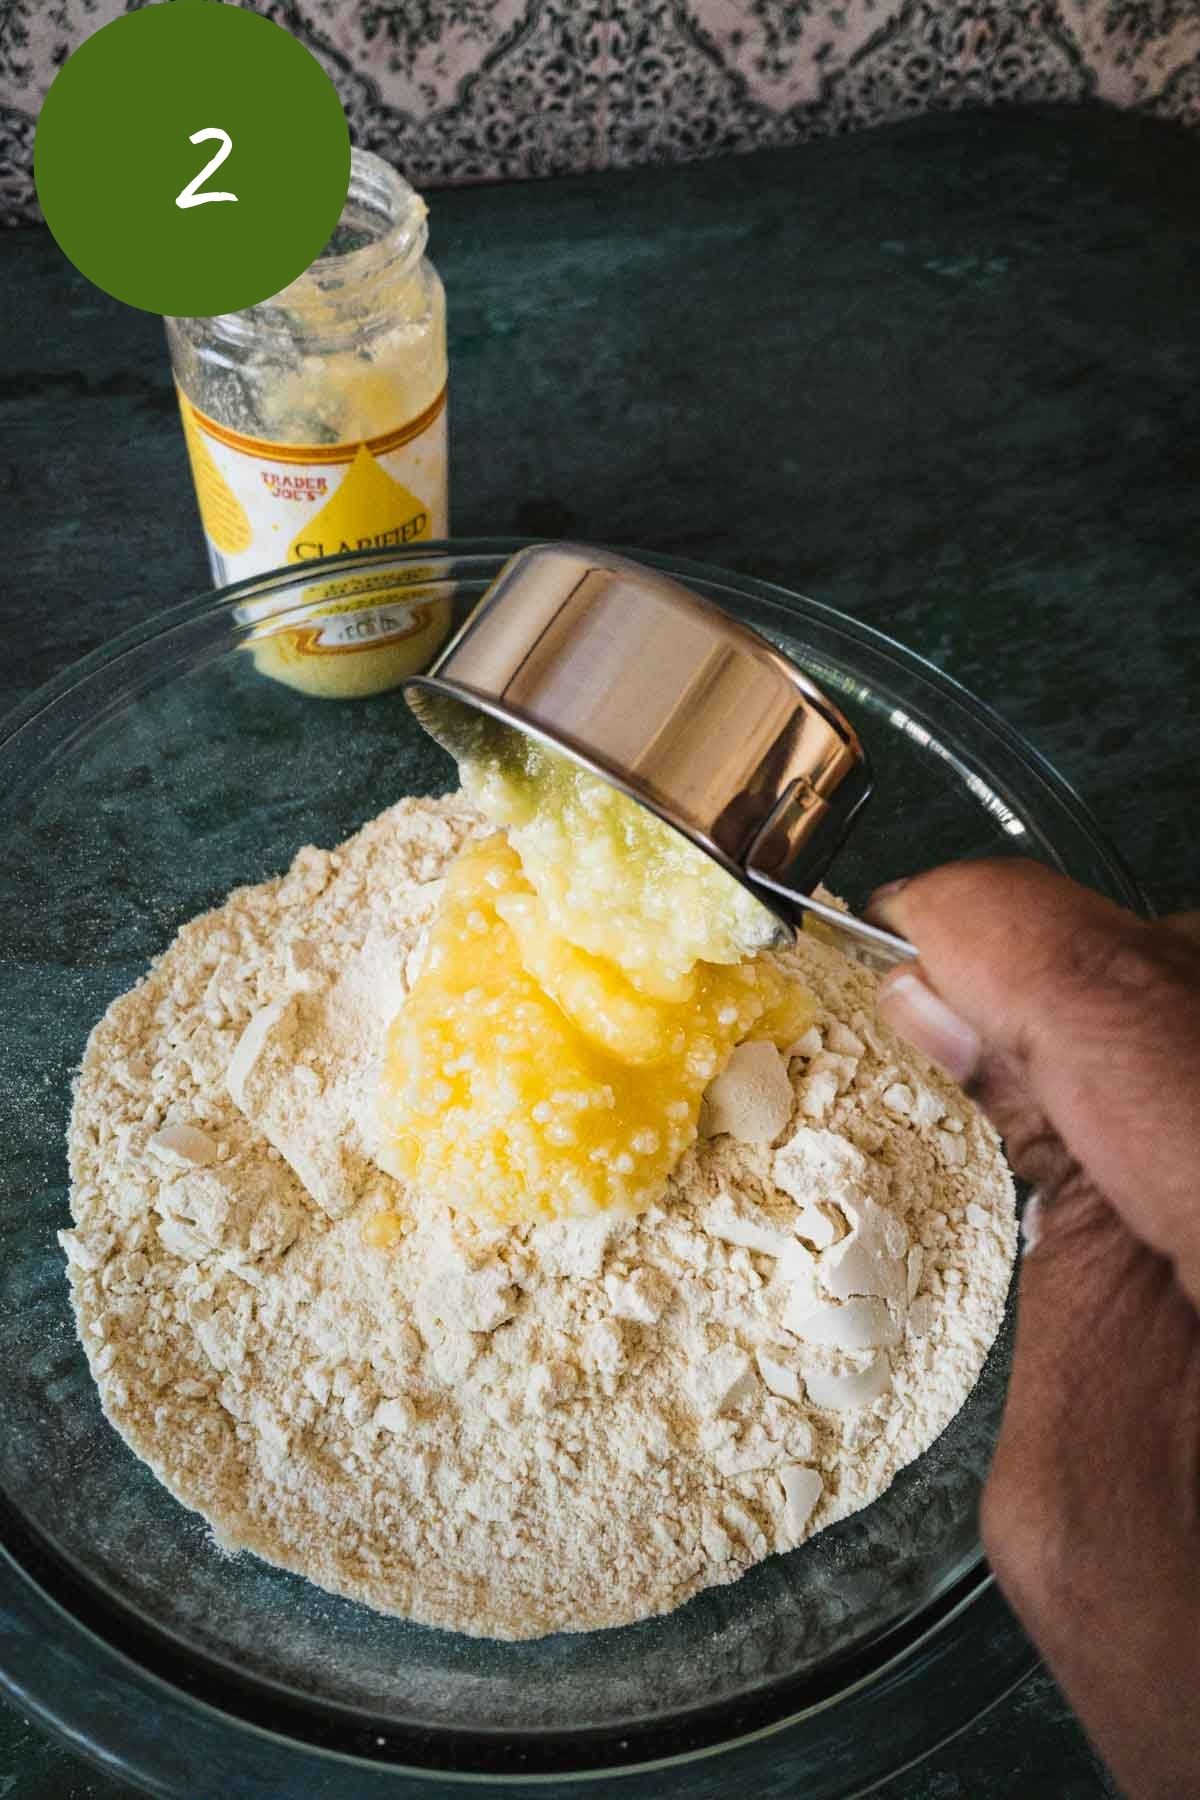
(265, 505)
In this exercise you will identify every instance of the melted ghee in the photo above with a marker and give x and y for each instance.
(533, 1075)
(610, 876)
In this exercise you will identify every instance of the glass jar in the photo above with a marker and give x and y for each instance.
(316, 424)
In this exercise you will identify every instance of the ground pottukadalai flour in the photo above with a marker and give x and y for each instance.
(509, 1429)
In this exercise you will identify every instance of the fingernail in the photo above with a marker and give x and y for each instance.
(918, 1014)
(877, 905)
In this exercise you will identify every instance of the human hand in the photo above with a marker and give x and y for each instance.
(1076, 1026)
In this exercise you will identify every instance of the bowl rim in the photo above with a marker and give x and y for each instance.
(459, 550)
(749, 1716)
(26, 1590)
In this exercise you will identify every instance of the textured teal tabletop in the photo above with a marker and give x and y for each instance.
(944, 376)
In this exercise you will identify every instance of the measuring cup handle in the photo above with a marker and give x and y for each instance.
(869, 944)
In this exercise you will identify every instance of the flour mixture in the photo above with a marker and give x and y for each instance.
(509, 1428)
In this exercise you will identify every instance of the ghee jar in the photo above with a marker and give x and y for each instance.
(315, 425)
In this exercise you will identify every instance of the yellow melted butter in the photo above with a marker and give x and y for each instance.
(559, 1089)
(610, 876)
(533, 1074)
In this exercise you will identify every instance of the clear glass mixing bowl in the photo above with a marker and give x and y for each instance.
(135, 791)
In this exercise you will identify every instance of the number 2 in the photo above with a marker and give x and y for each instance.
(190, 195)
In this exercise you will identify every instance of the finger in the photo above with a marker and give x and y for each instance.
(1090, 1514)
(1098, 1011)
(1186, 923)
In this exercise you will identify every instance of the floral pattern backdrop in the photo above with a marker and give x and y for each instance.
(477, 90)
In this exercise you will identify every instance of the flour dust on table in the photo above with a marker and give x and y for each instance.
(509, 1430)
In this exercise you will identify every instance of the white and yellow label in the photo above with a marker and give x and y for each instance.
(264, 505)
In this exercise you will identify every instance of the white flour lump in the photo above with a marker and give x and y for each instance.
(509, 1431)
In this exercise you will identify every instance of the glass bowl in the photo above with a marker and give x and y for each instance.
(137, 790)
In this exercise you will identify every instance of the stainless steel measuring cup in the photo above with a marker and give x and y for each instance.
(684, 708)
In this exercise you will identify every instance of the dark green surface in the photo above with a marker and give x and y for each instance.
(945, 376)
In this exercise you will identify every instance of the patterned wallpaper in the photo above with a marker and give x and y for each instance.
(475, 90)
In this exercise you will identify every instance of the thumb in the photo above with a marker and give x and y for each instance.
(1028, 984)
(1090, 1516)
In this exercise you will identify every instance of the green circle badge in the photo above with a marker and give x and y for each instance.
(192, 158)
